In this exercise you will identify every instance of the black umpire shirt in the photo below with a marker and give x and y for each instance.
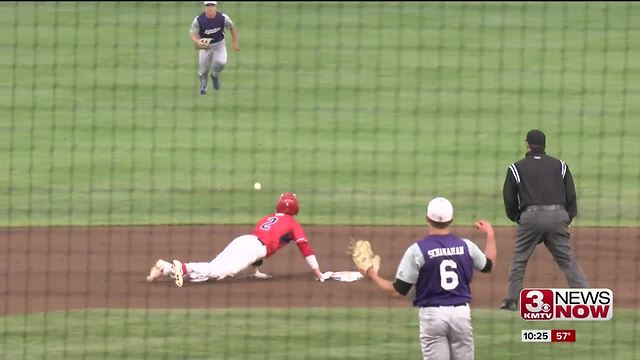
(538, 179)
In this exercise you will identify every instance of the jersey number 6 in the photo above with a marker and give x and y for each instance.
(448, 279)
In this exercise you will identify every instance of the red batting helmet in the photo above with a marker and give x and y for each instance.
(288, 204)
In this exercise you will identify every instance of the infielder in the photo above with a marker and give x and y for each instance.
(269, 235)
(441, 266)
(207, 33)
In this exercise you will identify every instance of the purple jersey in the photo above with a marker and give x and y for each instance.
(447, 271)
(211, 28)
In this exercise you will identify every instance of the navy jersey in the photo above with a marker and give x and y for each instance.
(441, 267)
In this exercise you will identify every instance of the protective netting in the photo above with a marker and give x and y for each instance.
(114, 159)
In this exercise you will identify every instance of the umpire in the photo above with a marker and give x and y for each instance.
(540, 196)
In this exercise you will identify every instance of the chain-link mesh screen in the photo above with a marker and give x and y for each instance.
(116, 154)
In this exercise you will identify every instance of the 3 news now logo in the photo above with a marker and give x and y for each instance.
(566, 304)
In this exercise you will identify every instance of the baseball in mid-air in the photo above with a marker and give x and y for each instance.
(257, 186)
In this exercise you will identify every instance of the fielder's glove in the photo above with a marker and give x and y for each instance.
(203, 43)
(363, 256)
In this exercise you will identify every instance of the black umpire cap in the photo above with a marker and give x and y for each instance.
(536, 137)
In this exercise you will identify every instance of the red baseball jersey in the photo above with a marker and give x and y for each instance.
(277, 230)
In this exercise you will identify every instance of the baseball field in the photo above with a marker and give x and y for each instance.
(365, 110)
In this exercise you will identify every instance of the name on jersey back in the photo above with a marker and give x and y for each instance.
(455, 250)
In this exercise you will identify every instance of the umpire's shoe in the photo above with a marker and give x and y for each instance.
(509, 304)
(216, 82)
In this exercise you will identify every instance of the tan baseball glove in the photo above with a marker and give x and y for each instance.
(363, 256)
(203, 43)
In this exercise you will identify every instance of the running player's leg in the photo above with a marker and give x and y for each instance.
(461, 334)
(558, 244)
(196, 271)
(205, 59)
(530, 234)
(240, 254)
(202, 271)
(254, 271)
(219, 62)
(433, 333)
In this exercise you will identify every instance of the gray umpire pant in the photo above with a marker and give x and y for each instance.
(550, 227)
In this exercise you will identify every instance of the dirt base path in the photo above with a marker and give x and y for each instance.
(105, 267)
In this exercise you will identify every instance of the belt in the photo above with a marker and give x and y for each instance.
(544, 207)
(454, 305)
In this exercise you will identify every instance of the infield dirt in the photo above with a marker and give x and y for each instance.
(57, 269)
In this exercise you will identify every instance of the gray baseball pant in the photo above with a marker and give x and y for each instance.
(211, 60)
(551, 228)
(446, 333)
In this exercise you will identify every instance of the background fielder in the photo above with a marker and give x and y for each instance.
(441, 266)
(269, 235)
(207, 32)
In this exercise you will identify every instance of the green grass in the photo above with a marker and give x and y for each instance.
(365, 110)
(290, 334)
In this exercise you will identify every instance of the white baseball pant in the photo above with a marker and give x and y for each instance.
(237, 256)
(446, 333)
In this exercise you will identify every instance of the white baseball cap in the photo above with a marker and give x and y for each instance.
(210, 3)
(440, 210)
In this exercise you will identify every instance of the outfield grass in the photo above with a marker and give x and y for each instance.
(365, 110)
(290, 334)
